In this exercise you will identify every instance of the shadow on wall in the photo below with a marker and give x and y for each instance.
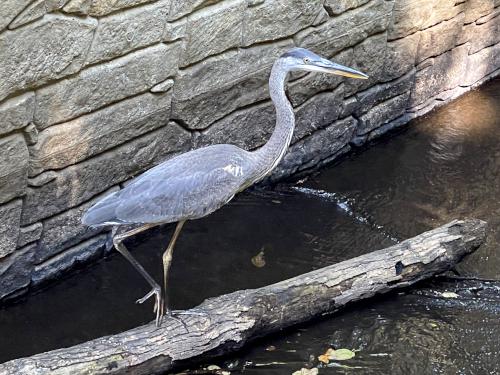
(163, 77)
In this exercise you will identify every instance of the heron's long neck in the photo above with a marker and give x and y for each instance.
(269, 155)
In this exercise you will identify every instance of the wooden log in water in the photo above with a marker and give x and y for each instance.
(230, 321)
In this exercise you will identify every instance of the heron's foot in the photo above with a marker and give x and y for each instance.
(158, 307)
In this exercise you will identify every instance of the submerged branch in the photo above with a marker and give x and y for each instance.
(228, 322)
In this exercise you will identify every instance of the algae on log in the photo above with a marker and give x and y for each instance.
(230, 321)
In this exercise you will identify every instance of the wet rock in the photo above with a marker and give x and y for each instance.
(15, 270)
(10, 215)
(103, 84)
(383, 113)
(48, 49)
(35, 10)
(78, 183)
(71, 142)
(441, 73)
(80, 254)
(331, 38)
(212, 31)
(17, 112)
(9, 9)
(440, 38)
(391, 125)
(29, 234)
(208, 91)
(65, 230)
(274, 19)
(13, 167)
(120, 33)
(336, 7)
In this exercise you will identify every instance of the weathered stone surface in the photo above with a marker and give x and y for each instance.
(481, 64)
(212, 31)
(391, 125)
(475, 9)
(124, 32)
(484, 35)
(15, 270)
(383, 113)
(486, 18)
(318, 112)
(65, 230)
(9, 9)
(71, 142)
(51, 48)
(13, 167)
(163, 86)
(29, 234)
(81, 7)
(400, 56)
(444, 10)
(331, 37)
(442, 73)
(10, 216)
(440, 38)
(100, 8)
(309, 152)
(174, 31)
(36, 10)
(180, 8)
(17, 112)
(79, 254)
(311, 84)
(336, 7)
(275, 19)
(31, 134)
(409, 17)
(208, 91)
(103, 84)
(78, 183)
(248, 128)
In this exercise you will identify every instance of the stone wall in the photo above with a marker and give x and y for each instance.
(92, 92)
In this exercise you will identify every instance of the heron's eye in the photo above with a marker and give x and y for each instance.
(307, 60)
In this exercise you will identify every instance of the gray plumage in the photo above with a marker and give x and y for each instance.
(197, 183)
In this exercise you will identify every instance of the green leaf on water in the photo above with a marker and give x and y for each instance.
(449, 295)
(305, 371)
(342, 354)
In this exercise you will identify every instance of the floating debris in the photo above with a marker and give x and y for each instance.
(336, 355)
(305, 371)
(258, 260)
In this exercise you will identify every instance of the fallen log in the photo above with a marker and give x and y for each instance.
(224, 324)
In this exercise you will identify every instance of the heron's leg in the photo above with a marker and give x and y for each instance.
(156, 290)
(167, 260)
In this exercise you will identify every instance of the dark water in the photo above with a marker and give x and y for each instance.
(444, 166)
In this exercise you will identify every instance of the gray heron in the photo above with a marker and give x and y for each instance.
(194, 184)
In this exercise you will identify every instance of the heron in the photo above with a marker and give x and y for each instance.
(196, 183)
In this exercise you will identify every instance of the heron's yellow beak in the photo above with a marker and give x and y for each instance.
(329, 67)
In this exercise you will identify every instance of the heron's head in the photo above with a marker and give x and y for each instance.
(303, 59)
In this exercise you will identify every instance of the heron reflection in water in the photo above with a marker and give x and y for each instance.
(195, 184)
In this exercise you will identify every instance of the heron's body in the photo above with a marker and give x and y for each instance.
(195, 184)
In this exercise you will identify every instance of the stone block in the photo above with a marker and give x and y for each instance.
(80, 7)
(208, 91)
(78, 183)
(15, 270)
(336, 7)
(331, 37)
(383, 113)
(13, 167)
(71, 142)
(10, 216)
(65, 230)
(484, 35)
(17, 112)
(409, 17)
(481, 64)
(441, 73)
(276, 19)
(400, 56)
(35, 10)
(247, 128)
(99, 8)
(391, 125)
(439, 38)
(82, 253)
(29, 234)
(123, 32)
(104, 84)
(475, 9)
(180, 8)
(48, 49)
(9, 9)
(213, 30)
(443, 10)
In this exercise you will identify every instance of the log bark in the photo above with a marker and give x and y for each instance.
(228, 322)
